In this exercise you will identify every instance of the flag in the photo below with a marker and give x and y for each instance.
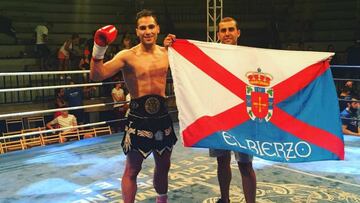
(277, 105)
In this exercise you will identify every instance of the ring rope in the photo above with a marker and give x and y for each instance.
(58, 86)
(353, 119)
(62, 86)
(88, 71)
(344, 66)
(346, 79)
(82, 107)
(45, 73)
(67, 108)
(59, 129)
(349, 100)
(95, 84)
(66, 128)
(57, 109)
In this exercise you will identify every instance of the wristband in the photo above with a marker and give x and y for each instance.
(99, 51)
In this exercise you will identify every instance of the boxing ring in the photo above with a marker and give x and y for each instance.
(90, 170)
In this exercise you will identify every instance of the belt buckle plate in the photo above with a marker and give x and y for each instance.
(152, 105)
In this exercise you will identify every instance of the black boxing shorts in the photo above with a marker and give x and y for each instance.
(149, 126)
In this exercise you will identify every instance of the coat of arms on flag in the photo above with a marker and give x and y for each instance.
(275, 104)
(259, 98)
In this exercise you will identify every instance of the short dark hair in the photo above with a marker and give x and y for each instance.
(146, 13)
(228, 19)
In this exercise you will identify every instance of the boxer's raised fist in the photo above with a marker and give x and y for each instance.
(103, 37)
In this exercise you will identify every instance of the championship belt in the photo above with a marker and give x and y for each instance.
(152, 105)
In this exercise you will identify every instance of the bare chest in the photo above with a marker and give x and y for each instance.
(149, 66)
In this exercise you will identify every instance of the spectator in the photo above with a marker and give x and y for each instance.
(6, 26)
(65, 51)
(42, 50)
(349, 84)
(344, 95)
(118, 95)
(126, 42)
(349, 118)
(59, 100)
(63, 121)
(74, 97)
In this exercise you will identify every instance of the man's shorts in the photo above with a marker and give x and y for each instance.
(240, 157)
(149, 126)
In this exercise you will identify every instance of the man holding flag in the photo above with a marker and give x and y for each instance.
(229, 33)
(274, 104)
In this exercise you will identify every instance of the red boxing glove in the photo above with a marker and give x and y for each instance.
(103, 37)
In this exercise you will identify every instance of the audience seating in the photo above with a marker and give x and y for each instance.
(87, 133)
(14, 124)
(12, 144)
(99, 131)
(41, 139)
(36, 122)
(70, 135)
(32, 140)
(1, 148)
(50, 138)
